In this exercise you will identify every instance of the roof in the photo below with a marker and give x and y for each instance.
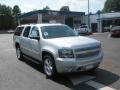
(72, 13)
(103, 13)
(40, 25)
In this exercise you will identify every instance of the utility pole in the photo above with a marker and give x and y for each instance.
(88, 15)
(99, 21)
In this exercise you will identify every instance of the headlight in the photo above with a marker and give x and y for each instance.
(65, 53)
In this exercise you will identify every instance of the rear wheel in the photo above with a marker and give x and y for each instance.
(49, 66)
(19, 53)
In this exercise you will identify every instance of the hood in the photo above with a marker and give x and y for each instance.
(73, 42)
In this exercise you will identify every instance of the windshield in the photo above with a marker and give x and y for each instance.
(57, 31)
(83, 27)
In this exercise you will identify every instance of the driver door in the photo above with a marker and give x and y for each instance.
(35, 43)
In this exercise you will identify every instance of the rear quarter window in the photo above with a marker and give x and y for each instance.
(18, 31)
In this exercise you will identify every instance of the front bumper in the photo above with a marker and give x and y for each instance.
(64, 65)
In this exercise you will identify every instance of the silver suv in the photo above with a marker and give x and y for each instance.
(58, 47)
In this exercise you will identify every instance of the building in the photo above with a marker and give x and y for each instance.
(98, 22)
(72, 19)
(101, 22)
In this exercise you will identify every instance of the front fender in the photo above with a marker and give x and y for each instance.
(52, 51)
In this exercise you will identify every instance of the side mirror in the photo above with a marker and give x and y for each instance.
(36, 38)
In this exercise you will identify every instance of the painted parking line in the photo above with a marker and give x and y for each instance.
(98, 86)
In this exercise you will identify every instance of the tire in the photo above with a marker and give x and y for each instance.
(49, 66)
(111, 35)
(19, 53)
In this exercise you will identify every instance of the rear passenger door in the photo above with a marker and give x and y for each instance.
(25, 45)
(35, 42)
(17, 34)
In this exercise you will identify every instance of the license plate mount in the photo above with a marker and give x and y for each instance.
(89, 67)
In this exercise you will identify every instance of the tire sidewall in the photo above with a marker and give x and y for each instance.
(21, 56)
(53, 66)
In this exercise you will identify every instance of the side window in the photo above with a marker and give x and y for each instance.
(26, 31)
(18, 31)
(34, 32)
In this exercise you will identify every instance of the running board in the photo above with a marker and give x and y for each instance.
(32, 59)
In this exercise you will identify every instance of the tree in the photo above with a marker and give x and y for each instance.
(90, 13)
(112, 5)
(16, 10)
(98, 12)
(46, 8)
(6, 17)
(64, 8)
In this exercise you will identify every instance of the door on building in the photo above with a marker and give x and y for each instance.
(94, 27)
(69, 21)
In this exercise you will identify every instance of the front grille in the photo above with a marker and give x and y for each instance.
(87, 52)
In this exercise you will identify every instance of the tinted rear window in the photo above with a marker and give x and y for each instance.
(18, 31)
(83, 27)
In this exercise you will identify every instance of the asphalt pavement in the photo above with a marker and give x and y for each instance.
(26, 75)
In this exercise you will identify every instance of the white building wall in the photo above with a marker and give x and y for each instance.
(110, 15)
(39, 20)
(95, 18)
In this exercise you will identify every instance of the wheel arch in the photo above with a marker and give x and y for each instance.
(52, 55)
(17, 44)
(44, 52)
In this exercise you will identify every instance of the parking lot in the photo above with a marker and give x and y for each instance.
(26, 75)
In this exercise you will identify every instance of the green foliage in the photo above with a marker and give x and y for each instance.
(16, 10)
(64, 8)
(112, 5)
(98, 12)
(8, 17)
(46, 8)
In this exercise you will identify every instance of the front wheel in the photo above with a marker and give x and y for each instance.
(110, 35)
(49, 66)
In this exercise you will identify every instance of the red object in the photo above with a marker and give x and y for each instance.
(115, 31)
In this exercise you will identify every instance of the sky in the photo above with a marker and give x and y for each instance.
(75, 5)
